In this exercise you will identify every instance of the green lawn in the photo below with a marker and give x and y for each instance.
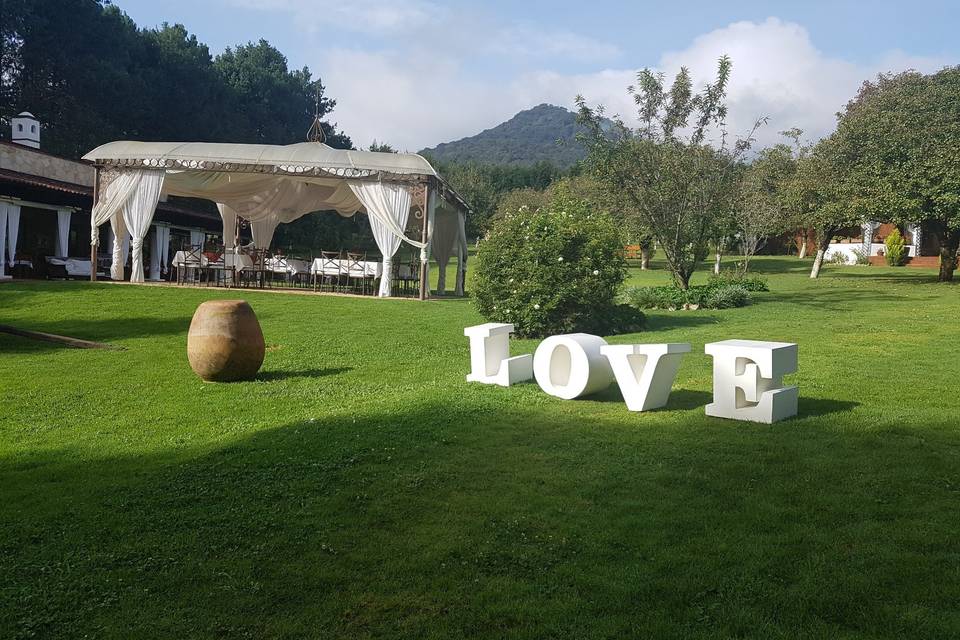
(361, 488)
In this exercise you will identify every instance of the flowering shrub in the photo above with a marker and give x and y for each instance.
(554, 270)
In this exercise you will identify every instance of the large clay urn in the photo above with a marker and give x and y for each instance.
(225, 342)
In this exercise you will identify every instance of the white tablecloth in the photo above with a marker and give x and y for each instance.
(293, 266)
(73, 266)
(243, 261)
(327, 268)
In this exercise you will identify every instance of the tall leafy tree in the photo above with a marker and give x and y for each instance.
(818, 193)
(899, 140)
(761, 210)
(268, 99)
(676, 168)
(90, 75)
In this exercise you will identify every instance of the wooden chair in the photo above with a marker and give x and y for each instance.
(408, 276)
(300, 278)
(249, 267)
(330, 273)
(215, 264)
(357, 272)
(192, 264)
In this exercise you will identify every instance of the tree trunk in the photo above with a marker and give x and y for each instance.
(817, 262)
(716, 263)
(949, 241)
(682, 280)
(803, 246)
(822, 244)
(644, 258)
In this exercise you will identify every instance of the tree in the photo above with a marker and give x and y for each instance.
(817, 192)
(513, 201)
(898, 138)
(484, 185)
(273, 105)
(800, 149)
(381, 147)
(90, 76)
(761, 211)
(676, 169)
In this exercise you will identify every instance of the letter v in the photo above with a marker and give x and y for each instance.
(645, 372)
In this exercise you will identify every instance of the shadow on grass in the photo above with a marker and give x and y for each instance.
(357, 526)
(816, 407)
(680, 399)
(111, 329)
(280, 374)
(915, 276)
(833, 299)
(658, 320)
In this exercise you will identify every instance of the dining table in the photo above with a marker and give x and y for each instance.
(341, 267)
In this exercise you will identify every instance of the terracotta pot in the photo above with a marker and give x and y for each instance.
(225, 342)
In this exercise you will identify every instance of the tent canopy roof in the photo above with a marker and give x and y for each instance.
(304, 159)
(286, 158)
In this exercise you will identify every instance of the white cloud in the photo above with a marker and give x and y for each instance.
(419, 92)
(780, 74)
(364, 16)
(532, 42)
(777, 73)
(410, 99)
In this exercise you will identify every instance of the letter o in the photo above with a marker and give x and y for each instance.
(570, 366)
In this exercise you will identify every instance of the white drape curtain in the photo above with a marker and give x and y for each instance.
(431, 214)
(263, 230)
(63, 232)
(3, 238)
(128, 202)
(461, 253)
(197, 237)
(164, 241)
(229, 217)
(138, 214)
(119, 235)
(444, 243)
(388, 207)
(159, 251)
(379, 198)
(111, 199)
(13, 231)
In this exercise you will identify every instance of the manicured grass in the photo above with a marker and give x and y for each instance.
(360, 488)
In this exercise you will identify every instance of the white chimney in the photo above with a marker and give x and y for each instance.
(25, 130)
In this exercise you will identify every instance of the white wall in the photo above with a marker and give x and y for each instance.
(875, 248)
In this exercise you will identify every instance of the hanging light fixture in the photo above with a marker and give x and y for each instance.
(315, 133)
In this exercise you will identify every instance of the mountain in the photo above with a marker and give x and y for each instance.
(529, 137)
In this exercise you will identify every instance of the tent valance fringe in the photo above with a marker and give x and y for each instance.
(235, 167)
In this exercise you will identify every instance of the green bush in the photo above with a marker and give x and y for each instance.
(896, 249)
(727, 297)
(749, 281)
(716, 295)
(669, 297)
(860, 257)
(554, 270)
(839, 257)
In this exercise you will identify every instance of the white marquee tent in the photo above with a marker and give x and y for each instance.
(269, 185)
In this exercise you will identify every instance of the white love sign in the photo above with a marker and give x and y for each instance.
(747, 375)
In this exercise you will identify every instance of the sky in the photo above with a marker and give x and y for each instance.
(415, 73)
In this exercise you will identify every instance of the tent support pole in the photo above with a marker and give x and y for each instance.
(425, 266)
(93, 245)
